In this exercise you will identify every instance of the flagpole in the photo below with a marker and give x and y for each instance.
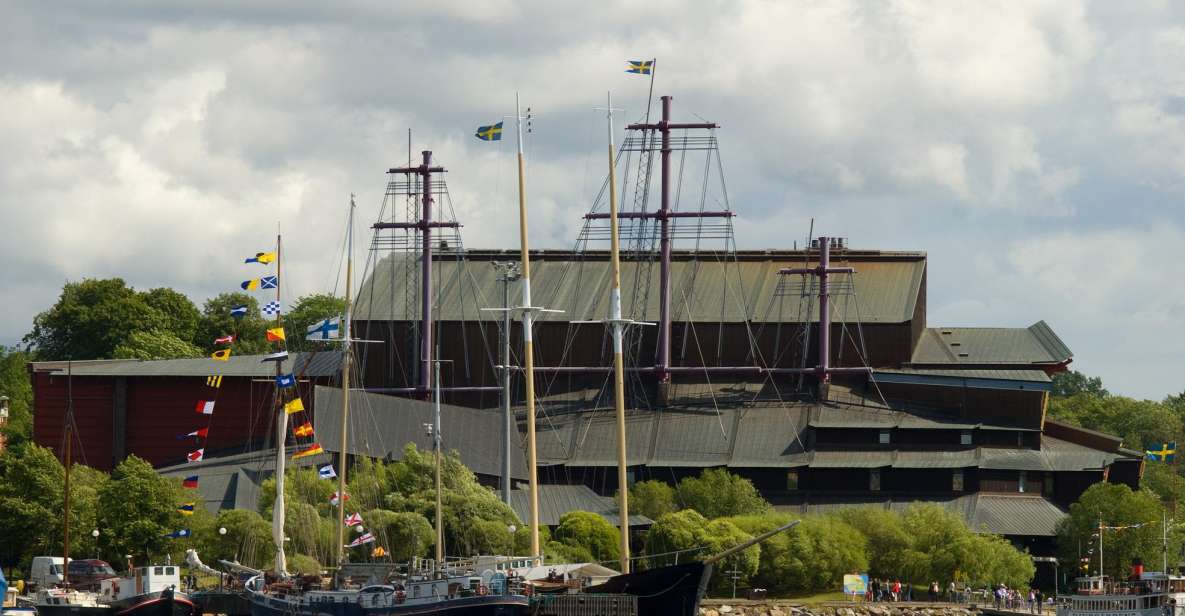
(528, 342)
(650, 96)
(618, 359)
(281, 449)
(439, 485)
(341, 460)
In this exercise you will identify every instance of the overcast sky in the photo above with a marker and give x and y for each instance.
(1034, 149)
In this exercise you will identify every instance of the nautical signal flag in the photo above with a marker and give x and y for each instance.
(178, 534)
(311, 451)
(262, 257)
(239, 312)
(225, 339)
(640, 67)
(186, 508)
(364, 539)
(205, 407)
(353, 519)
(493, 132)
(304, 429)
(284, 381)
(327, 472)
(196, 456)
(329, 329)
(214, 381)
(293, 406)
(272, 307)
(200, 433)
(277, 356)
(190, 482)
(221, 355)
(1166, 452)
(267, 282)
(275, 334)
(333, 499)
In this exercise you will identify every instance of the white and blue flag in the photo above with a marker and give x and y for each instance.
(329, 329)
(327, 472)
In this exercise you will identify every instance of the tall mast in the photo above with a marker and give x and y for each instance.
(341, 456)
(436, 454)
(68, 463)
(618, 359)
(281, 449)
(1101, 546)
(528, 343)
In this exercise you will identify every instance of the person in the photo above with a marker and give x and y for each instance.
(1032, 601)
(896, 590)
(934, 592)
(998, 595)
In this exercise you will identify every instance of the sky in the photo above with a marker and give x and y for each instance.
(1035, 150)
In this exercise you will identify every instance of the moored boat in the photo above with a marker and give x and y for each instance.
(147, 591)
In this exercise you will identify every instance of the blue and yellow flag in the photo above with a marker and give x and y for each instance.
(1167, 452)
(640, 67)
(186, 508)
(261, 257)
(493, 132)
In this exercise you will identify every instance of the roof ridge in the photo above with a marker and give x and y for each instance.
(1050, 341)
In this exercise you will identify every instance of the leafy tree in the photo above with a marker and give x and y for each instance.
(1139, 422)
(1115, 505)
(303, 564)
(652, 498)
(248, 539)
(815, 555)
(718, 493)
(155, 344)
(14, 383)
(138, 508)
(307, 311)
(216, 322)
(85, 484)
(687, 530)
(404, 534)
(1072, 383)
(887, 538)
(1164, 481)
(90, 319)
(181, 316)
(591, 532)
(30, 504)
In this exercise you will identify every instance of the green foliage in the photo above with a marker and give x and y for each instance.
(592, 532)
(248, 539)
(217, 322)
(156, 344)
(652, 498)
(137, 507)
(815, 555)
(405, 534)
(1164, 481)
(687, 530)
(91, 318)
(1072, 383)
(1115, 505)
(887, 538)
(181, 316)
(14, 383)
(30, 504)
(308, 310)
(718, 493)
(1141, 423)
(303, 564)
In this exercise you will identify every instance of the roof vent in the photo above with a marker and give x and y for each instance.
(954, 344)
(946, 332)
(964, 354)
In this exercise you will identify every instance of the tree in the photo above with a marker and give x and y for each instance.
(138, 508)
(1141, 423)
(181, 316)
(1116, 505)
(156, 344)
(30, 504)
(592, 532)
(303, 564)
(718, 493)
(216, 321)
(90, 319)
(652, 498)
(1072, 383)
(887, 538)
(307, 311)
(694, 536)
(404, 534)
(14, 383)
(813, 556)
(248, 539)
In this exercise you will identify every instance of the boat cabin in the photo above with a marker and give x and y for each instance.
(142, 580)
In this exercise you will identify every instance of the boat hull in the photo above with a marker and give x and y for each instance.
(164, 603)
(487, 605)
(665, 591)
(69, 610)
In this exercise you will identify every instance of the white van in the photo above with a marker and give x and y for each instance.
(46, 571)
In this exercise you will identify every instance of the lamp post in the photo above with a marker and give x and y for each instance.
(95, 534)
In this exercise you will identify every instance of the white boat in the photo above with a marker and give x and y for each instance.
(1143, 594)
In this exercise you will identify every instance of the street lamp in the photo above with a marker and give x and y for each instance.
(221, 530)
(95, 534)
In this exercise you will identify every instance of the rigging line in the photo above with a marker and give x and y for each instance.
(707, 374)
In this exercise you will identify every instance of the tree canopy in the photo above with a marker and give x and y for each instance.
(718, 493)
(1135, 516)
(14, 383)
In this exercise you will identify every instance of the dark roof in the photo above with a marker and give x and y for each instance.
(1027, 515)
(1035, 345)
(556, 500)
(312, 364)
(233, 481)
(1036, 380)
(888, 285)
(381, 425)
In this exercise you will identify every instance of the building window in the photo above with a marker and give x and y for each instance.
(874, 479)
(956, 481)
(965, 437)
(1020, 484)
(792, 480)
(1020, 439)
(883, 437)
(1047, 487)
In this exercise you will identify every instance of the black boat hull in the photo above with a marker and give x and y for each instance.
(486, 605)
(165, 603)
(665, 591)
(73, 610)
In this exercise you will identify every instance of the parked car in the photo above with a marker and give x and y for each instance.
(45, 572)
(85, 574)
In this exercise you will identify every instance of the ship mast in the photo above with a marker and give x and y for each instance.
(618, 360)
(341, 456)
(69, 433)
(436, 453)
(281, 449)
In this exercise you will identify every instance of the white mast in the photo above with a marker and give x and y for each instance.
(341, 457)
(436, 442)
(281, 450)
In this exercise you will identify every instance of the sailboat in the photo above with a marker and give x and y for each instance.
(429, 588)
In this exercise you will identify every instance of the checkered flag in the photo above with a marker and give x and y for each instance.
(272, 307)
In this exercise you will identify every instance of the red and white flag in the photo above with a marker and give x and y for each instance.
(353, 519)
(205, 407)
(225, 339)
(333, 499)
(196, 456)
(198, 433)
(365, 538)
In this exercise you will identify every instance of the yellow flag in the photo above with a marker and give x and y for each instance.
(221, 355)
(311, 451)
(275, 334)
(295, 406)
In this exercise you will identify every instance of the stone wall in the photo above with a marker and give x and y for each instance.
(717, 607)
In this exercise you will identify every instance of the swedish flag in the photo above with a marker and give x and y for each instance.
(493, 132)
(1166, 453)
(640, 67)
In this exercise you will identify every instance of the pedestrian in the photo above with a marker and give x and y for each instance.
(896, 590)
(875, 587)
(1032, 601)
(998, 595)
(908, 591)
(934, 592)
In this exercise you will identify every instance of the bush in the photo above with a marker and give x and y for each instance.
(592, 532)
(717, 493)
